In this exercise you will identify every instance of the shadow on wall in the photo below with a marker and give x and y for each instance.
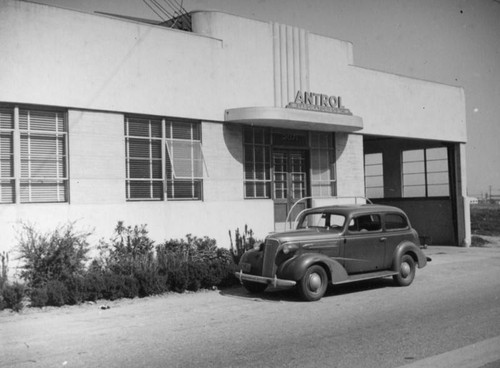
(340, 144)
(233, 138)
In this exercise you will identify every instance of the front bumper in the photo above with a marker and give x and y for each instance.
(274, 281)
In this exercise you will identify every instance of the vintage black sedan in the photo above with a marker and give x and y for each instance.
(335, 245)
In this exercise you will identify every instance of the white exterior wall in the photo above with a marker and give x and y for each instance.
(102, 65)
(101, 68)
(349, 165)
(223, 156)
(246, 64)
(97, 189)
(96, 144)
(466, 200)
(98, 62)
(390, 105)
(397, 106)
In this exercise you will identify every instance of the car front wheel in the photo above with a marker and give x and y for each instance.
(407, 270)
(313, 285)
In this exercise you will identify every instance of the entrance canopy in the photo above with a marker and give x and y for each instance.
(278, 117)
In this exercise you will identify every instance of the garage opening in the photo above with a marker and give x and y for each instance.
(420, 178)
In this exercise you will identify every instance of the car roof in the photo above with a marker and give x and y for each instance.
(349, 209)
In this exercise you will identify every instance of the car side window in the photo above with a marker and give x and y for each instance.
(322, 221)
(365, 223)
(395, 221)
(315, 220)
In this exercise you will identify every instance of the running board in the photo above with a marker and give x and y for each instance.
(366, 276)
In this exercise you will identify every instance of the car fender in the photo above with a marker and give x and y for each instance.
(296, 267)
(407, 247)
(255, 258)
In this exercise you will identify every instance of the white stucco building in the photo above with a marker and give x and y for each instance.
(202, 131)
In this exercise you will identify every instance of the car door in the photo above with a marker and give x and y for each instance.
(327, 240)
(364, 244)
(397, 230)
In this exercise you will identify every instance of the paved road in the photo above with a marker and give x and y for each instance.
(450, 316)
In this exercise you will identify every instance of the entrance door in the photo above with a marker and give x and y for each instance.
(289, 184)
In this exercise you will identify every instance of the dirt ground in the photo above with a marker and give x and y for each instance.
(159, 330)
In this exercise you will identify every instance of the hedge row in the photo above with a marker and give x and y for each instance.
(57, 270)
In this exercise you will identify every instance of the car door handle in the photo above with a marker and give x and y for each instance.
(383, 239)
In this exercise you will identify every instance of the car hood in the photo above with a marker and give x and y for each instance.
(303, 235)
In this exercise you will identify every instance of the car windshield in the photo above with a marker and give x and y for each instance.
(322, 220)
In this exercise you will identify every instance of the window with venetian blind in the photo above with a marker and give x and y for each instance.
(163, 159)
(36, 171)
(7, 179)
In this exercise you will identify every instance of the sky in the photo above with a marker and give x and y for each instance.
(455, 42)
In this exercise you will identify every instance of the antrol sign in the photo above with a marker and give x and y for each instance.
(318, 102)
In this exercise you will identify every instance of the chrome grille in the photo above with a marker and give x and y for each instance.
(270, 250)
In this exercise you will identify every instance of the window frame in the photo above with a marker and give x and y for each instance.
(389, 229)
(23, 168)
(315, 144)
(195, 182)
(323, 151)
(150, 138)
(7, 156)
(265, 147)
(425, 173)
(167, 177)
(378, 175)
(359, 230)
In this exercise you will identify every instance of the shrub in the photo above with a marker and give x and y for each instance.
(93, 285)
(242, 243)
(477, 241)
(109, 286)
(119, 286)
(485, 219)
(57, 293)
(149, 279)
(13, 296)
(130, 255)
(76, 292)
(128, 250)
(194, 263)
(4, 260)
(128, 266)
(39, 297)
(59, 255)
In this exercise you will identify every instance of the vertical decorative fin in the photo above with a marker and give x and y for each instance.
(291, 63)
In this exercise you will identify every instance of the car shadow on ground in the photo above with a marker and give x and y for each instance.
(290, 294)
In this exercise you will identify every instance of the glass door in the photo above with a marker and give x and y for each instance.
(290, 177)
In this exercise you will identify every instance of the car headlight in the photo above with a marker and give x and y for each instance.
(290, 248)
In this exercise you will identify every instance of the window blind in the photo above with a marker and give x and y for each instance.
(144, 158)
(163, 156)
(43, 156)
(7, 183)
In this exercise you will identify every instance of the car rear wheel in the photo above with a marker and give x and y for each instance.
(254, 287)
(313, 285)
(407, 271)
